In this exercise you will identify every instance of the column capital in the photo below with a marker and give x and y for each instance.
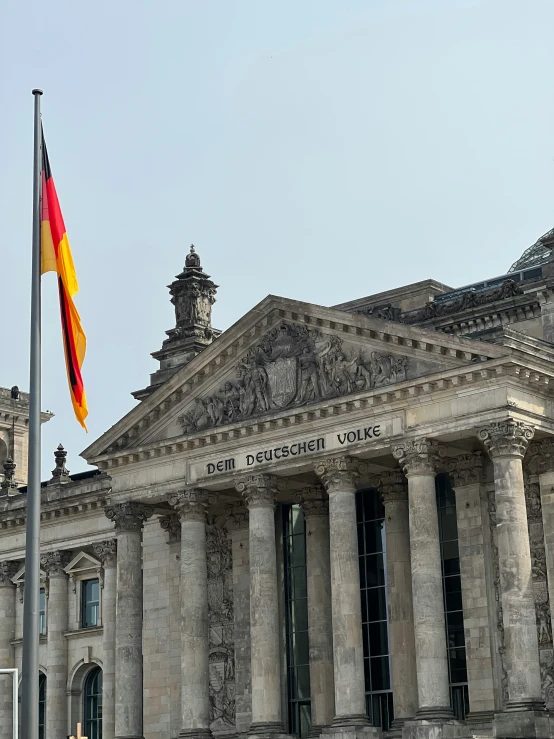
(313, 501)
(418, 456)
(106, 551)
(191, 503)
(466, 469)
(236, 516)
(339, 474)
(128, 516)
(7, 571)
(392, 486)
(172, 525)
(259, 491)
(506, 438)
(53, 563)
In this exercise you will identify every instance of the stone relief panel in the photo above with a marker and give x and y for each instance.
(540, 590)
(221, 631)
(293, 365)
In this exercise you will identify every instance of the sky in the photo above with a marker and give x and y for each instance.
(317, 150)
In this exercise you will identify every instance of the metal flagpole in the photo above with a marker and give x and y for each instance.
(30, 671)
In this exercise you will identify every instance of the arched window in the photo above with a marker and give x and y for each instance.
(41, 704)
(93, 704)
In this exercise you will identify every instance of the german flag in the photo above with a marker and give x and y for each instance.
(56, 257)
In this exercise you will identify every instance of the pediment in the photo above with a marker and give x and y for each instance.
(83, 563)
(19, 577)
(280, 357)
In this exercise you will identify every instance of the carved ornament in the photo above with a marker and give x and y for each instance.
(128, 516)
(392, 486)
(172, 524)
(192, 503)
(339, 474)
(466, 469)
(236, 516)
(259, 491)
(313, 500)
(506, 438)
(292, 366)
(418, 456)
(540, 456)
(54, 563)
(7, 572)
(106, 551)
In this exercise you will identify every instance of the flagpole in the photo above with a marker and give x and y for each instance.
(31, 625)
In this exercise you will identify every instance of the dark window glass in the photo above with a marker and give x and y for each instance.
(90, 603)
(296, 607)
(42, 611)
(41, 705)
(93, 704)
(373, 584)
(452, 591)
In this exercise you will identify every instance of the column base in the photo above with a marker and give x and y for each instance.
(480, 718)
(195, 734)
(512, 724)
(433, 729)
(435, 713)
(267, 730)
(352, 727)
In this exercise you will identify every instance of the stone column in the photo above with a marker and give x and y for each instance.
(129, 519)
(418, 459)
(106, 551)
(7, 635)
(237, 526)
(506, 442)
(53, 564)
(172, 525)
(466, 473)
(259, 492)
(394, 493)
(315, 506)
(195, 679)
(339, 475)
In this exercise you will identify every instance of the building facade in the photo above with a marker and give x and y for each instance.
(323, 521)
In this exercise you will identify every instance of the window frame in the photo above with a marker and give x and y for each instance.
(84, 602)
(92, 724)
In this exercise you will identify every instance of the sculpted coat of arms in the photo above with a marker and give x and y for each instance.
(292, 365)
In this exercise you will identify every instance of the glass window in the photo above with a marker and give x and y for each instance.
(372, 552)
(90, 603)
(452, 592)
(42, 611)
(93, 704)
(41, 705)
(296, 606)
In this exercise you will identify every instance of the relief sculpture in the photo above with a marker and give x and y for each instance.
(221, 635)
(293, 365)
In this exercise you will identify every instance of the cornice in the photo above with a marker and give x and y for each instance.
(15, 515)
(239, 338)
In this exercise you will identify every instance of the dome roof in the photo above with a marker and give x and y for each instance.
(539, 253)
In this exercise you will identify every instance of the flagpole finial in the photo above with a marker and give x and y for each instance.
(36, 91)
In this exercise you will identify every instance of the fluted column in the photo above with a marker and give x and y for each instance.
(195, 702)
(339, 475)
(172, 525)
(506, 442)
(315, 506)
(129, 520)
(259, 493)
(419, 459)
(106, 551)
(7, 635)
(53, 564)
(237, 526)
(394, 493)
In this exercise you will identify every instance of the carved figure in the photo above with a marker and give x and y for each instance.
(232, 401)
(309, 377)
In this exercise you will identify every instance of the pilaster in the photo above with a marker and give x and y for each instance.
(106, 551)
(171, 524)
(7, 635)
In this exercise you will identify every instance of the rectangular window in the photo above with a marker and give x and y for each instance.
(296, 608)
(372, 551)
(42, 612)
(90, 603)
(452, 593)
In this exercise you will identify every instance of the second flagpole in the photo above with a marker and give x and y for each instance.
(31, 626)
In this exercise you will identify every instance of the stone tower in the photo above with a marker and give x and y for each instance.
(192, 294)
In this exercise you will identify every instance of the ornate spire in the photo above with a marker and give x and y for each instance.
(60, 473)
(193, 294)
(8, 484)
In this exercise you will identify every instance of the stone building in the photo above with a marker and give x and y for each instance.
(334, 521)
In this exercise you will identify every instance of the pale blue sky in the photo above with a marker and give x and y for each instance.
(319, 150)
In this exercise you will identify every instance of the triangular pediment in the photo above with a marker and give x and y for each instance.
(83, 563)
(281, 356)
(19, 577)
